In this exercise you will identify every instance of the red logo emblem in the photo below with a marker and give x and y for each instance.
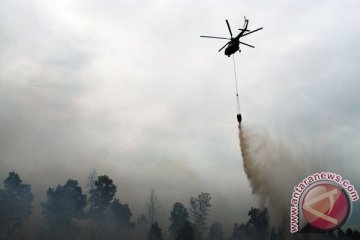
(325, 206)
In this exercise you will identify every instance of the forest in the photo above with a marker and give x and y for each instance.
(69, 212)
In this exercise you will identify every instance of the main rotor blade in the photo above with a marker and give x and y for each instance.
(252, 31)
(244, 30)
(215, 37)
(223, 47)
(247, 44)
(228, 25)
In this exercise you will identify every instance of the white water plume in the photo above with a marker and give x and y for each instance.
(273, 168)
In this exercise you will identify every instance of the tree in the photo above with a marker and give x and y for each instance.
(110, 218)
(258, 223)
(356, 235)
(102, 195)
(154, 232)
(216, 232)
(330, 235)
(349, 233)
(240, 231)
(121, 215)
(15, 204)
(178, 216)
(255, 228)
(340, 234)
(63, 205)
(153, 207)
(186, 232)
(200, 207)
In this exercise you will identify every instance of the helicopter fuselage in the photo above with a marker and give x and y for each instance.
(232, 48)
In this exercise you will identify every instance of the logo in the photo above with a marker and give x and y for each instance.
(325, 206)
(321, 202)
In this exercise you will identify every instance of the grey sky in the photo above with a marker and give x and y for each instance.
(129, 88)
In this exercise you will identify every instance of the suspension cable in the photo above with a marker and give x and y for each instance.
(236, 87)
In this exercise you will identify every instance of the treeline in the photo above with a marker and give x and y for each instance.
(69, 213)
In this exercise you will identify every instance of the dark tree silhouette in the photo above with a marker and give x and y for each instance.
(240, 231)
(186, 232)
(256, 227)
(349, 233)
(340, 234)
(15, 204)
(178, 216)
(216, 232)
(154, 232)
(356, 235)
(63, 205)
(330, 235)
(110, 218)
(258, 223)
(121, 215)
(101, 195)
(200, 207)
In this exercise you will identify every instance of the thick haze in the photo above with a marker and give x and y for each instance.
(130, 89)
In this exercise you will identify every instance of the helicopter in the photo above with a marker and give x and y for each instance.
(234, 44)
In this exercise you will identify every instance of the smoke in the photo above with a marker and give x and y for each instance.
(273, 169)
